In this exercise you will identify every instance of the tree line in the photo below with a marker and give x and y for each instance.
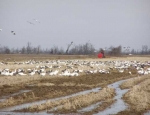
(81, 49)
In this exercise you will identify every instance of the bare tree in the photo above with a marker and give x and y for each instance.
(29, 49)
(144, 49)
(6, 50)
(115, 50)
(38, 49)
(23, 50)
(68, 47)
(84, 49)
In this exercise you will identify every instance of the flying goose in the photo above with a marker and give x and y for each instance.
(13, 32)
(30, 23)
(36, 20)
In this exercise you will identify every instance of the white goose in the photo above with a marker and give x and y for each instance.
(65, 73)
(32, 73)
(54, 72)
(13, 72)
(22, 74)
(4, 72)
(121, 70)
(43, 73)
(36, 20)
(141, 71)
(148, 69)
(74, 74)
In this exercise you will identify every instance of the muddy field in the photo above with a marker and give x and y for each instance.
(83, 85)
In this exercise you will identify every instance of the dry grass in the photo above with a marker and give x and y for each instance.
(134, 81)
(13, 80)
(52, 87)
(105, 104)
(26, 57)
(74, 103)
(45, 84)
(139, 95)
(21, 99)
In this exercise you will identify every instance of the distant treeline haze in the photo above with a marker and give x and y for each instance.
(81, 49)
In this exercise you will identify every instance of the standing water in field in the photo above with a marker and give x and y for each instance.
(21, 113)
(18, 107)
(147, 113)
(119, 105)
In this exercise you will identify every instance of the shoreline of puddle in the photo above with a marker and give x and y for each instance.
(118, 105)
(21, 106)
(115, 108)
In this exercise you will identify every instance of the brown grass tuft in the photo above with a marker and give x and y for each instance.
(139, 95)
(74, 103)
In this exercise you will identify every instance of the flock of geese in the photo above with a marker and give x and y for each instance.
(30, 22)
(73, 67)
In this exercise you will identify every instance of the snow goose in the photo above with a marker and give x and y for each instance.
(121, 70)
(43, 73)
(95, 71)
(130, 72)
(74, 74)
(65, 73)
(29, 70)
(32, 73)
(36, 20)
(54, 72)
(148, 69)
(103, 71)
(42, 70)
(21, 73)
(141, 71)
(13, 32)
(5, 72)
(11, 73)
(146, 72)
(30, 22)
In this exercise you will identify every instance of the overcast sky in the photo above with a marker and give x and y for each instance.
(103, 23)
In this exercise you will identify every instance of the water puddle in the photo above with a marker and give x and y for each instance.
(3, 98)
(19, 113)
(119, 105)
(18, 107)
(90, 108)
(147, 113)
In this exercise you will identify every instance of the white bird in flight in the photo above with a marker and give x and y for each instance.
(36, 20)
(13, 32)
(30, 22)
